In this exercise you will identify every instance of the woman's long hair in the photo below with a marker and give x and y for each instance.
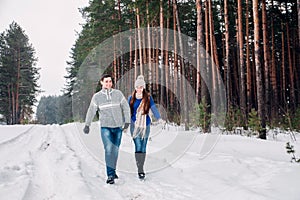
(145, 100)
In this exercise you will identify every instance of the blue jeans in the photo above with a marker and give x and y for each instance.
(111, 138)
(139, 142)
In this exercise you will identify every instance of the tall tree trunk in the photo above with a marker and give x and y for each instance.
(115, 61)
(176, 88)
(162, 67)
(135, 55)
(259, 74)
(17, 92)
(298, 8)
(297, 73)
(226, 60)
(273, 74)
(199, 37)
(166, 60)
(283, 81)
(248, 64)
(185, 96)
(266, 58)
(121, 56)
(291, 71)
(207, 71)
(10, 105)
(200, 56)
(149, 49)
(157, 67)
(241, 62)
(139, 40)
(212, 55)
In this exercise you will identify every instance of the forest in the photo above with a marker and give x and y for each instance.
(203, 60)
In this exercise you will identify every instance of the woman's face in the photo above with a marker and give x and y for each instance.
(106, 83)
(139, 89)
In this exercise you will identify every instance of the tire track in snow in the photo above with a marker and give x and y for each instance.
(56, 170)
(91, 169)
(16, 138)
(15, 157)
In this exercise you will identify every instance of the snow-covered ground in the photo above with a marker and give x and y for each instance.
(55, 162)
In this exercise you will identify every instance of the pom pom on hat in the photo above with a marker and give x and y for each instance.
(140, 81)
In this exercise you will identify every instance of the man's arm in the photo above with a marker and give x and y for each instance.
(91, 112)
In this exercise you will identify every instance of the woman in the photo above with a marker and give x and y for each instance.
(140, 102)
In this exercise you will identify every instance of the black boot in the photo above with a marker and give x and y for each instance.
(140, 160)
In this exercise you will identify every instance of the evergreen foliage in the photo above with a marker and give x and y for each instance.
(233, 119)
(18, 75)
(296, 120)
(254, 121)
(200, 117)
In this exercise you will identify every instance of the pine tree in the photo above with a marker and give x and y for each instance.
(200, 117)
(254, 121)
(19, 75)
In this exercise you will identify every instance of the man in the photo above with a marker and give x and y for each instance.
(114, 112)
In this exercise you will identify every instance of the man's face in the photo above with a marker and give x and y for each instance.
(106, 83)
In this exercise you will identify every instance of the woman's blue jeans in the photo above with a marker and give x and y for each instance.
(139, 142)
(111, 138)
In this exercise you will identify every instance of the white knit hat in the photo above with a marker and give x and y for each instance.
(140, 81)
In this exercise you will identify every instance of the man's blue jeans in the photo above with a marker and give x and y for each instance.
(111, 138)
(140, 143)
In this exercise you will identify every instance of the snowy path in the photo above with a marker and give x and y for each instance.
(53, 163)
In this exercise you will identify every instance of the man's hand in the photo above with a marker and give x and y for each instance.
(126, 126)
(86, 129)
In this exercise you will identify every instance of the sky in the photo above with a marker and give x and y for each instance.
(51, 27)
(60, 162)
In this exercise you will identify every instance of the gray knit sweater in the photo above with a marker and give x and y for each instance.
(112, 107)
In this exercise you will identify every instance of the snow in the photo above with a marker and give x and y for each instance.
(53, 162)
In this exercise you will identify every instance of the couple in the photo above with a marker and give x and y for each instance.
(116, 115)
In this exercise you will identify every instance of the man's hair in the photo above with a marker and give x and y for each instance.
(105, 76)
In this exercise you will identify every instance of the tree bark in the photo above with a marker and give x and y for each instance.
(273, 74)
(266, 58)
(292, 100)
(139, 41)
(248, 64)
(227, 67)
(259, 74)
(241, 62)
(162, 67)
(283, 81)
(183, 82)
